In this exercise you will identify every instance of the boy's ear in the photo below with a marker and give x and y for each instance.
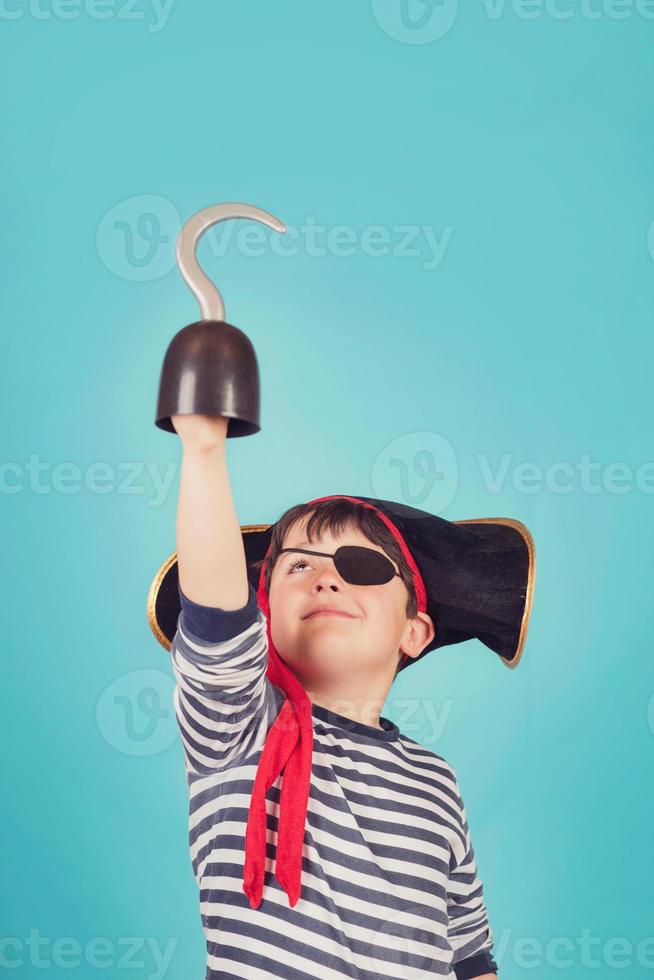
(419, 632)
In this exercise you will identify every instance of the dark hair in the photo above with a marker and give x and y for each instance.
(336, 515)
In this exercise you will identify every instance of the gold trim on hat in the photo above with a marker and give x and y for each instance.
(531, 577)
(162, 571)
(245, 528)
(152, 600)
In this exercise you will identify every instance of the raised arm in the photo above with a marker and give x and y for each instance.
(224, 701)
(210, 553)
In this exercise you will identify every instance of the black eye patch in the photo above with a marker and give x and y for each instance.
(357, 564)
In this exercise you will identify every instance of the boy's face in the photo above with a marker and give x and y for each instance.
(358, 646)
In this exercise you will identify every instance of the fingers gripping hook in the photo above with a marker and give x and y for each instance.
(206, 293)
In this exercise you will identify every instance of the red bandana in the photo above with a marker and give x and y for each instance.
(288, 749)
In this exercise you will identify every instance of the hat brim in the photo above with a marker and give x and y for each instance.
(515, 547)
(515, 559)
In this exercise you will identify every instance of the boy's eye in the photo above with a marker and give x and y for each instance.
(298, 561)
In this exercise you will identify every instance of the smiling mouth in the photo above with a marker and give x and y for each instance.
(328, 612)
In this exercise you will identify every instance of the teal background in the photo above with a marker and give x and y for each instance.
(530, 138)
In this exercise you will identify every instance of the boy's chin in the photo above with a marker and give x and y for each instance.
(322, 660)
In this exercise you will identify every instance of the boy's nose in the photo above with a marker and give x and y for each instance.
(327, 578)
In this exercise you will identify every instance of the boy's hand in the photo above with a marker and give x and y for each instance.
(200, 433)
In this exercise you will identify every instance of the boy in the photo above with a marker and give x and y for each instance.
(366, 832)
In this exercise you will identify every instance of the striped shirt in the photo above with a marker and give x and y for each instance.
(389, 879)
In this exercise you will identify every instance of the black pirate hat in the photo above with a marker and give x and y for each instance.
(478, 576)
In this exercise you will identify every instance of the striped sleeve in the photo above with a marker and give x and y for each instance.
(224, 702)
(469, 931)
